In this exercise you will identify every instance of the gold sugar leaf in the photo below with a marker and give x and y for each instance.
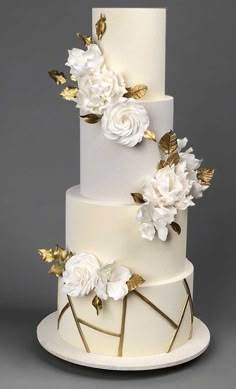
(97, 303)
(101, 26)
(205, 175)
(69, 93)
(87, 40)
(91, 118)
(58, 77)
(176, 227)
(149, 134)
(56, 269)
(134, 281)
(168, 143)
(61, 254)
(173, 159)
(138, 198)
(162, 164)
(136, 92)
(46, 254)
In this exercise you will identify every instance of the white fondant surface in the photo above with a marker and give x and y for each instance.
(110, 171)
(134, 45)
(110, 231)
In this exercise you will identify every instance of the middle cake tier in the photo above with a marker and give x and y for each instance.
(110, 231)
(110, 171)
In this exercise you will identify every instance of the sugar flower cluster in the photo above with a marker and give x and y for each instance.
(101, 92)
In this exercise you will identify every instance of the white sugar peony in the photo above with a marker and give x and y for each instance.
(169, 187)
(99, 91)
(112, 280)
(125, 122)
(192, 163)
(152, 219)
(83, 62)
(80, 275)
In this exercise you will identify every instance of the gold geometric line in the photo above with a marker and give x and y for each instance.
(61, 314)
(153, 306)
(107, 332)
(190, 305)
(78, 325)
(122, 330)
(179, 325)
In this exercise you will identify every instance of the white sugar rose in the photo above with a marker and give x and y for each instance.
(80, 275)
(152, 219)
(192, 163)
(99, 91)
(112, 280)
(169, 187)
(125, 122)
(83, 62)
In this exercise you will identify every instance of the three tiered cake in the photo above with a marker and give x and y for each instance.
(125, 285)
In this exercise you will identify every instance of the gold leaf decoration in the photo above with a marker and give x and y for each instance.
(91, 118)
(61, 254)
(56, 269)
(46, 254)
(134, 281)
(173, 159)
(58, 77)
(136, 92)
(97, 303)
(73, 78)
(168, 143)
(162, 164)
(176, 227)
(205, 175)
(149, 134)
(101, 26)
(87, 40)
(138, 198)
(69, 93)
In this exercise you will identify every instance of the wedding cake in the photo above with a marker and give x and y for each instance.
(125, 284)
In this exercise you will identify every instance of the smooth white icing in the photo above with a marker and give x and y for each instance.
(146, 331)
(110, 231)
(110, 171)
(134, 45)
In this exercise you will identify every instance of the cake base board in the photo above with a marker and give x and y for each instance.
(51, 341)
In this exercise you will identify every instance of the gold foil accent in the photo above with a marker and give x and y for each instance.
(136, 92)
(69, 93)
(190, 305)
(173, 159)
(168, 143)
(97, 303)
(91, 118)
(176, 227)
(64, 309)
(56, 269)
(134, 281)
(138, 198)
(78, 325)
(73, 78)
(46, 254)
(87, 40)
(153, 306)
(149, 134)
(179, 325)
(101, 26)
(122, 330)
(58, 77)
(205, 175)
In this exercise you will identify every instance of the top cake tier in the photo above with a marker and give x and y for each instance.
(134, 45)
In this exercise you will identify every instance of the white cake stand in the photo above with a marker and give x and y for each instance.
(50, 340)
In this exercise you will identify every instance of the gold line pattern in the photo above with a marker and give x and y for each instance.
(121, 335)
(153, 306)
(78, 326)
(122, 331)
(179, 325)
(62, 313)
(190, 305)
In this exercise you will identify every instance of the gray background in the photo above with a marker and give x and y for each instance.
(39, 160)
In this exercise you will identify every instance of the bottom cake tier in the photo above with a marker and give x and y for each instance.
(155, 318)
